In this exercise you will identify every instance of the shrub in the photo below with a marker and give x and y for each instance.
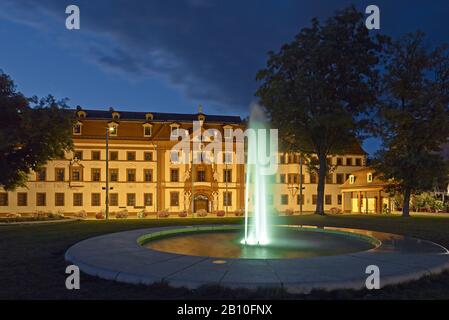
(239, 212)
(335, 210)
(81, 214)
(163, 214)
(13, 215)
(100, 215)
(142, 214)
(122, 214)
(220, 213)
(40, 214)
(182, 214)
(289, 212)
(201, 213)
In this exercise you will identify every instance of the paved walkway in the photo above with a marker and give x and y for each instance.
(120, 257)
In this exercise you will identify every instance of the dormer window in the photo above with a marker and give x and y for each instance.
(147, 130)
(149, 116)
(174, 131)
(77, 128)
(201, 118)
(369, 177)
(115, 115)
(81, 114)
(228, 132)
(351, 179)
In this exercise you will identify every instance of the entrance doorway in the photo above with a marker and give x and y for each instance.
(201, 202)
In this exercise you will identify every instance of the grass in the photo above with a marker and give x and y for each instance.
(32, 262)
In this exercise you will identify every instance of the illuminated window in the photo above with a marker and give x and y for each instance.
(147, 130)
(369, 177)
(351, 179)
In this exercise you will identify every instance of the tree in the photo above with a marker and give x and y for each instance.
(32, 131)
(413, 117)
(317, 88)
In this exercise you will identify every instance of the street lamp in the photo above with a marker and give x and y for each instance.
(109, 129)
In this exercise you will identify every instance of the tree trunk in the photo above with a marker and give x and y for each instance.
(321, 184)
(406, 204)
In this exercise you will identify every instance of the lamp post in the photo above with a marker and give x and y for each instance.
(108, 130)
(300, 183)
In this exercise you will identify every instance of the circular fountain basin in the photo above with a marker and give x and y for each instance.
(285, 243)
(195, 256)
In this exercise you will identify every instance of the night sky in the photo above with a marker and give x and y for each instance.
(170, 56)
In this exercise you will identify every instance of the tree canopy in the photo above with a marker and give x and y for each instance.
(413, 116)
(318, 87)
(32, 131)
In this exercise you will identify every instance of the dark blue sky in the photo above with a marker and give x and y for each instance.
(171, 55)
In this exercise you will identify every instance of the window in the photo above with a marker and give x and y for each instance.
(227, 199)
(328, 199)
(147, 130)
(329, 178)
(148, 156)
(349, 161)
(369, 177)
(95, 174)
(76, 174)
(227, 175)
(147, 175)
(291, 158)
(113, 199)
(130, 175)
(113, 175)
(339, 199)
(340, 178)
(201, 175)
(174, 175)
(41, 199)
(113, 155)
(358, 162)
(227, 157)
(78, 155)
(3, 199)
(174, 199)
(174, 133)
(59, 174)
(339, 161)
(95, 199)
(299, 198)
(347, 176)
(22, 199)
(174, 156)
(228, 133)
(313, 178)
(148, 199)
(41, 175)
(59, 199)
(96, 155)
(314, 198)
(77, 129)
(282, 159)
(292, 178)
(284, 199)
(130, 199)
(351, 179)
(282, 178)
(131, 156)
(77, 199)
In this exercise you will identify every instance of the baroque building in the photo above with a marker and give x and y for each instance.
(144, 173)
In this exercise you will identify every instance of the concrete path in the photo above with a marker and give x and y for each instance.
(120, 257)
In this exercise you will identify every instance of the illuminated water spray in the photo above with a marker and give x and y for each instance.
(260, 159)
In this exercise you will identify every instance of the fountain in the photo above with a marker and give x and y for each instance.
(257, 232)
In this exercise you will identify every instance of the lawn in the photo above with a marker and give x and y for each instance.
(32, 261)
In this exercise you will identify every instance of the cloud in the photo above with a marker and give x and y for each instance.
(208, 49)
